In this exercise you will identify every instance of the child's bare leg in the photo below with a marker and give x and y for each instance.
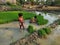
(20, 26)
(23, 27)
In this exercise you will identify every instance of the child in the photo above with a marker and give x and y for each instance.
(33, 20)
(21, 20)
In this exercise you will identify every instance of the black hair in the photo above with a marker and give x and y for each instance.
(35, 16)
(20, 14)
(39, 14)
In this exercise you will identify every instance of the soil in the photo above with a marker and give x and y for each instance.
(10, 32)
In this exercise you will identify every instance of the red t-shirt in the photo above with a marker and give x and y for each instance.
(21, 19)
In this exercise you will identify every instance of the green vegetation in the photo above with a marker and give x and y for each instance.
(37, 2)
(41, 20)
(44, 31)
(57, 2)
(30, 29)
(47, 30)
(41, 32)
(9, 16)
(58, 21)
(28, 15)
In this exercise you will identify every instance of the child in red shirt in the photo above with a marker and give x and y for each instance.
(21, 20)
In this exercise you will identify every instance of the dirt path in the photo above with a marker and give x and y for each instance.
(10, 32)
(52, 39)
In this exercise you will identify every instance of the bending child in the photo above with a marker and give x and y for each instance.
(33, 19)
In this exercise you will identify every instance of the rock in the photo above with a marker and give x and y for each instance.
(27, 43)
(30, 38)
(58, 16)
(36, 34)
(17, 43)
(22, 41)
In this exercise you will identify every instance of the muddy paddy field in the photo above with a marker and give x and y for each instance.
(10, 33)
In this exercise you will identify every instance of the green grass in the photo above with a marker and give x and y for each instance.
(41, 20)
(47, 30)
(41, 32)
(9, 16)
(30, 29)
(44, 31)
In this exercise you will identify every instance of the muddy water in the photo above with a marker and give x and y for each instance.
(10, 32)
(49, 16)
(53, 38)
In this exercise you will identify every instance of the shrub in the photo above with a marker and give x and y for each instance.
(59, 22)
(41, 32)
(41, 20)
(30, 29)
(47, 30)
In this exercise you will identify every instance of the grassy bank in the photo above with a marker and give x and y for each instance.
(9, 16)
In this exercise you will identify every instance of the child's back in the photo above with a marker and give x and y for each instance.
(21, 20)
